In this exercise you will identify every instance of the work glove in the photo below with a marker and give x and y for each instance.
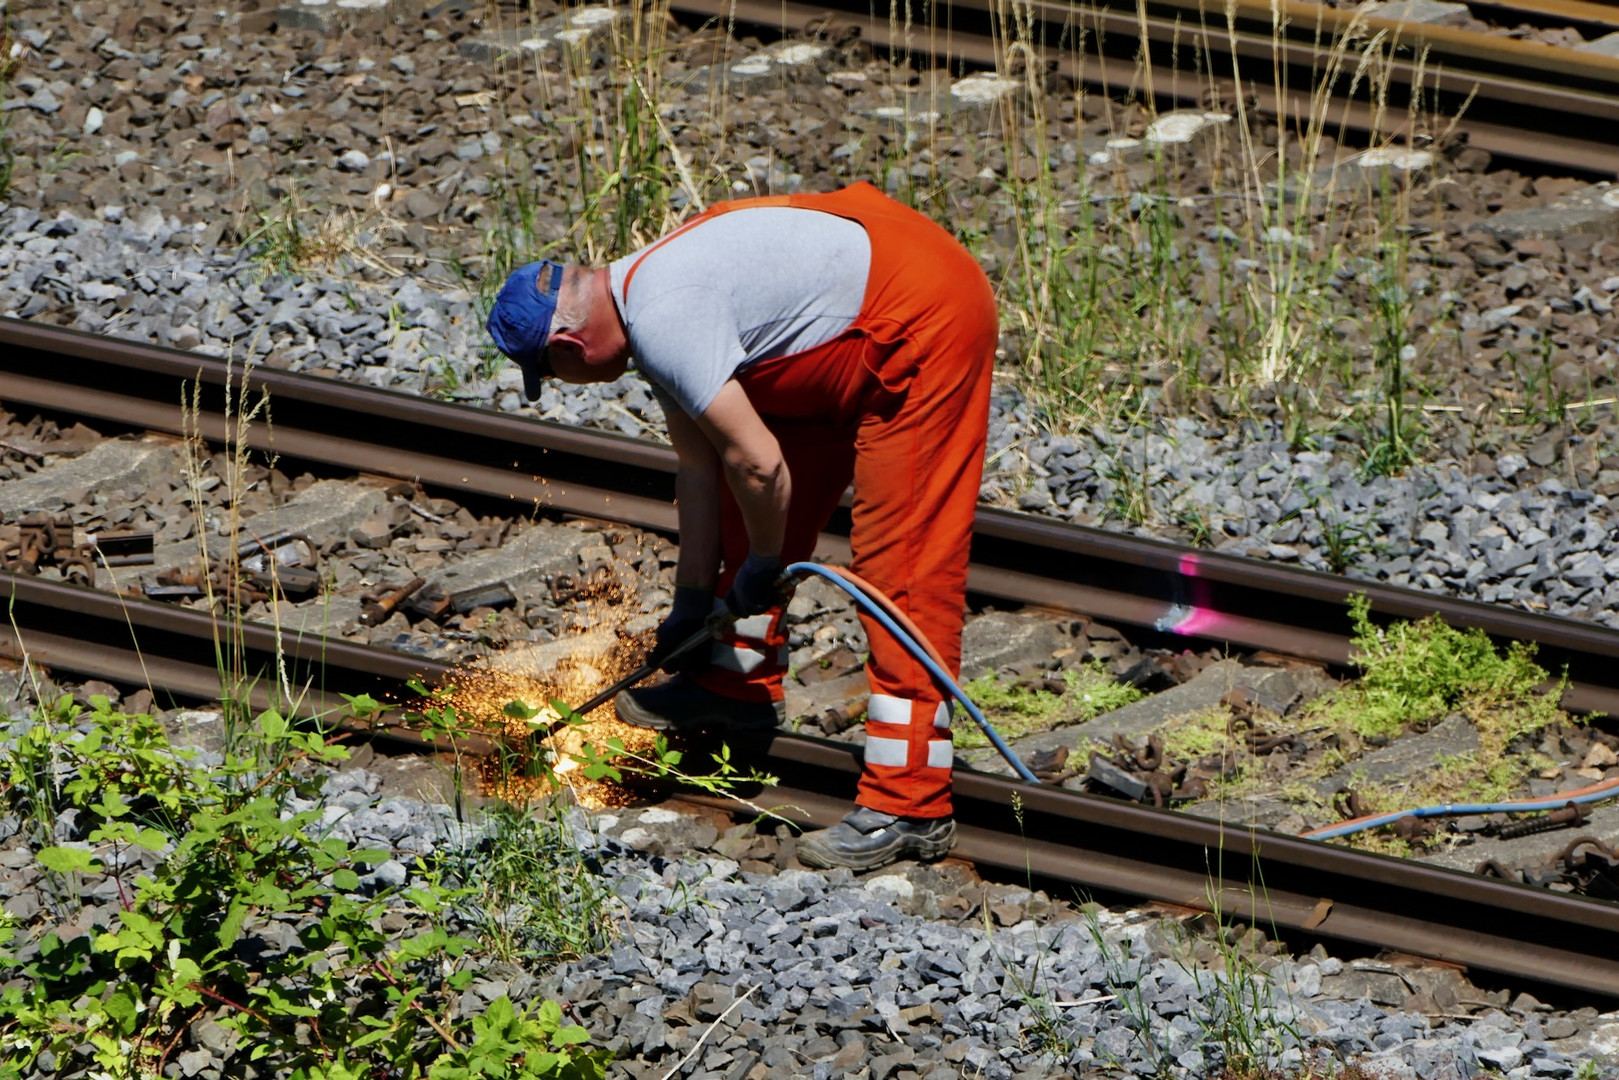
(688, 614)
(756, 587)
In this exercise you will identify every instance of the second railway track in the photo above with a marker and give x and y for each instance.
(1094, 843)
(1519, 99)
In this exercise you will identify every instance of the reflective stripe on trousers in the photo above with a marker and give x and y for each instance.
(750, 643)
(884, 711)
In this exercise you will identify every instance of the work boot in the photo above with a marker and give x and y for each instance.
(867, 839)
(680, 705)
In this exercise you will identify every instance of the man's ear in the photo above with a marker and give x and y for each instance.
(567, 344)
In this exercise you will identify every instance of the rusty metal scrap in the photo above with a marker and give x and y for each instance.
(1570, 814)
(436, 602)
(1588, 866)
(1051, 766)
(286, 548)
(281, 564)
(39, 541)
(378, 604)
(121, 548)
(1591, 867)
(1142, 774)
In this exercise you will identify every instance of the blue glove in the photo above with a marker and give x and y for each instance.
(688, 614)
(756, 588)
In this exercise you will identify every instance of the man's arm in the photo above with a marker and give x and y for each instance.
(753, 466)
(697, 501)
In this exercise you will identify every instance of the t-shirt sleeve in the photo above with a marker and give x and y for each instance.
(686, 342)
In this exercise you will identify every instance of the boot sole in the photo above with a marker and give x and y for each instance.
(923, 849)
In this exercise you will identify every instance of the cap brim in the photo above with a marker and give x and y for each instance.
(535, 371)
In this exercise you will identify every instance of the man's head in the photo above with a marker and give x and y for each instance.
(545, 319)
(520, 320)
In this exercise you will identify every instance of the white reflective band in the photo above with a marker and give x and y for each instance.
(737, 658)
(894, 753)
(887, 709)
(939, 756)
(941, 718)
(754, 626)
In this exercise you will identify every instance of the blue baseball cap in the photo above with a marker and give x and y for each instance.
(520, 320)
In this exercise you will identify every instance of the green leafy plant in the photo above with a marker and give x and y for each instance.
(511, 1044)
(1416, 672)
(232, 852)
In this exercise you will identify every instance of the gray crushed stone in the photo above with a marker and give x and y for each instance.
(767, 972)
(820, 975)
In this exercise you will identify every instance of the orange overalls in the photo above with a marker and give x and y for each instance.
(898, 403)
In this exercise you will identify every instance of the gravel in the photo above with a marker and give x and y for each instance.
(1013, 986)
(761, 969)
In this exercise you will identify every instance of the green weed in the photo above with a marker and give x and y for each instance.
(1049, 1032)
(1344, 539)
(293, 238)
(1125, 977)
(1090, 691)
(1245, 1016)
(624, 163)
(1544, 401)
(1200, 733)
(533, 899)
(1415, 673)
(229, 855)
(1393, 351)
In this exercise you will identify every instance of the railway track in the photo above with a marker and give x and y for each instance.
(1093, 843)
(469, 453)
(1523, 100)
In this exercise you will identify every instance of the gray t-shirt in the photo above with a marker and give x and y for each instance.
(741, 287)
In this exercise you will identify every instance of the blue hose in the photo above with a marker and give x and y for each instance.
(1454, 809)
(914, 647)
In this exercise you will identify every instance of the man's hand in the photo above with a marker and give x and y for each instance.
(756, 588)
(687, 615)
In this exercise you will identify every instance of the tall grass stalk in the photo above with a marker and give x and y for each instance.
(1109, 299)
(242, 691)
(624, 163)
(1110, 302)
(10, 59)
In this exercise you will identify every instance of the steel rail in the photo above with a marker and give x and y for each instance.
(1276, 881)
(1551, 13)
(1182, 593)
(1520, 99)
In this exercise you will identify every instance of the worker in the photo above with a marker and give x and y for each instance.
(798, 343)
